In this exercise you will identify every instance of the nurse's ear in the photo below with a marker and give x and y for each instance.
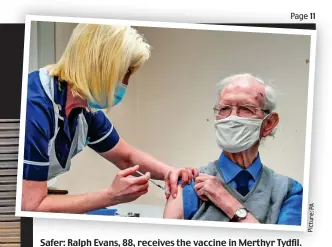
(126, 77)
(269, 124)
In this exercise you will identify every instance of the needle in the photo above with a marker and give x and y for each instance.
(158, 185)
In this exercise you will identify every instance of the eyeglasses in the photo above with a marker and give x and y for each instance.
(223, 111)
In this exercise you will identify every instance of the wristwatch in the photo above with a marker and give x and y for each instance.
(240, 214)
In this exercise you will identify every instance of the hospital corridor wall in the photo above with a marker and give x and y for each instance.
(167, 111)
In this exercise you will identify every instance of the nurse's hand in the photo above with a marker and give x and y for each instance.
(126, 188)
(173, 176)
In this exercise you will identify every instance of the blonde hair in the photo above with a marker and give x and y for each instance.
(97, 57)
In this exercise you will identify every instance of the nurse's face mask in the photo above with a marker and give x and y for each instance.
(119, 93)
(237, 133)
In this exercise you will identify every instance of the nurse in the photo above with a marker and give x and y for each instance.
(63, 117)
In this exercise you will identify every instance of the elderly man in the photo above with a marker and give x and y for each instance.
(238, 187)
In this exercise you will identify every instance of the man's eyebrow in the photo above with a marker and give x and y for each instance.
(260, 98)
(247, 102)
(240, 102)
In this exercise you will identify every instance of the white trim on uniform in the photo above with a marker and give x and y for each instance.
(35, 163)
(103, 138)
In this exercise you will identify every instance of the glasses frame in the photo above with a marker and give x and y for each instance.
(265, 111)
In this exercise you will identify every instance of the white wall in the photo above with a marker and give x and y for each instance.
(62, 35)
(46, 43)
(42, 45)
(168, 109)
(33, 52)
(178, 86)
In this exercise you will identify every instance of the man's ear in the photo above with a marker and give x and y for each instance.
(269, 124)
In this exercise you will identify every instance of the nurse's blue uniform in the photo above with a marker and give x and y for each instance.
(52, 139)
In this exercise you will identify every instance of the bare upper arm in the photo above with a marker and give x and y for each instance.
(33, 193)
(174, 207)
(119, 155)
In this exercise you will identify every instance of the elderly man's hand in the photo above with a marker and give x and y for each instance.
(208, 188)
(173, 176)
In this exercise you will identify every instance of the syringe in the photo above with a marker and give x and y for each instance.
(158, 185)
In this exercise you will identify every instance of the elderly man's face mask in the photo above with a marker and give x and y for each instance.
(236, 134)
(239, 131)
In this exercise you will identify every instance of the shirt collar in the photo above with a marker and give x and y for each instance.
(230, 169)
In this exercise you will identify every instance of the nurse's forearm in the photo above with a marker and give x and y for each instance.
(124, 156)
(75, 203)
(150, 164)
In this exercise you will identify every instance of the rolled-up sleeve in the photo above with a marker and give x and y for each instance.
(291, 210)
(190, 200)
(102, 134)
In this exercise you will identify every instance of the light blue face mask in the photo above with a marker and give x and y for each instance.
(119, 93)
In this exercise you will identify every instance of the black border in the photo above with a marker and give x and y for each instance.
(11, 65)
(26, 232)
(306, 26)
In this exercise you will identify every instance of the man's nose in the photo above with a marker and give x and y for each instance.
(233, 111)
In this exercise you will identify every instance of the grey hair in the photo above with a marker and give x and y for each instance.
(270, 103)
